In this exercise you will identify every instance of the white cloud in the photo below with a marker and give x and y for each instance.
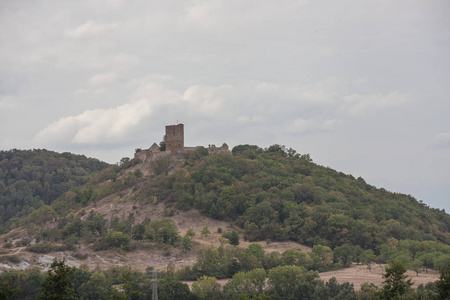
(96, 126)
(90, 28)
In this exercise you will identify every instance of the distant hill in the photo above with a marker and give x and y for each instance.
(30, 179)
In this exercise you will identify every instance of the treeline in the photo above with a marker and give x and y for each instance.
(30, 179)
(282, 282)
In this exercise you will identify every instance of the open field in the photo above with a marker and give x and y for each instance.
(358, 274)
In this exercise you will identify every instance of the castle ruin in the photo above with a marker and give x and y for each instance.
(174, 139)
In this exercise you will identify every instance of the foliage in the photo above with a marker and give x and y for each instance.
(206, 287)
(205, 230)
(164, 231)
(396, 283)
(117, 239)
(56, 285)
(30, 179)
(249, 283)
(44, 247)
(443, 284)
(232, 236)
(170, 288)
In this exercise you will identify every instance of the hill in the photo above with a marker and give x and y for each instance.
(30, 179)
(182, 209)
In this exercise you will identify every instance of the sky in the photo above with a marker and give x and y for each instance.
(362, 86)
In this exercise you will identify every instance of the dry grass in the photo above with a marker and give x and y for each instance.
(358, 274)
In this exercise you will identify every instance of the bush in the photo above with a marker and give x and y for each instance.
(8, 245)
(10, 258)
(44, 247)
(22, 243)
(117, 239)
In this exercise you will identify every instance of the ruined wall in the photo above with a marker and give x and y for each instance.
(222, 149)
(175, 138)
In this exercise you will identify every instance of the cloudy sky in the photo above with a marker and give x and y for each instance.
(363, 86)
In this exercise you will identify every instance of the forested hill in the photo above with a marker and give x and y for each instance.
(273, 194)
(30, 179)
(277, 194)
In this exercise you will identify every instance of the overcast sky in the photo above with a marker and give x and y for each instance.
(363, 86)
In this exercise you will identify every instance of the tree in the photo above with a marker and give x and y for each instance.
(297, 258)
(205, 230)
(344, 254)
(162, 144)
(283, 279)
(396, 283)
(249, 283)
(367, 257)
(206, 287)
(7, 289)
(321, 256)
(234, 238)
(97, 287)
(57, 286)
(170, 288)
(138, 231)
(186, 243)
(443, 284)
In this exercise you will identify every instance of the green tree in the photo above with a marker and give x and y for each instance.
(169, 288)
(367, 257)
(186, 243)
(297, 258)
(206, 287)
(443, 284)
(138, 231)
(249, 283)
(283, 279)
(344, 254)
(205, 230)
(234, 238)
(321, 256)
(396, 283)
(57, 286)
(7, 289)
(97, 287)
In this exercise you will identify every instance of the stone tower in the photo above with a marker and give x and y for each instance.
(175, 137)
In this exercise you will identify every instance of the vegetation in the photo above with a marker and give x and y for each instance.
(272, 194)
(31, 179)
(282, 282)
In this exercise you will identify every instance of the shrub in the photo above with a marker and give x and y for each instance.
(22, 243)
(10, 258)
(8, 245)
(117, 239)
(44, 247)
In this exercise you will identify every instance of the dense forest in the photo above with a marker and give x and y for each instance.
(30, 179)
